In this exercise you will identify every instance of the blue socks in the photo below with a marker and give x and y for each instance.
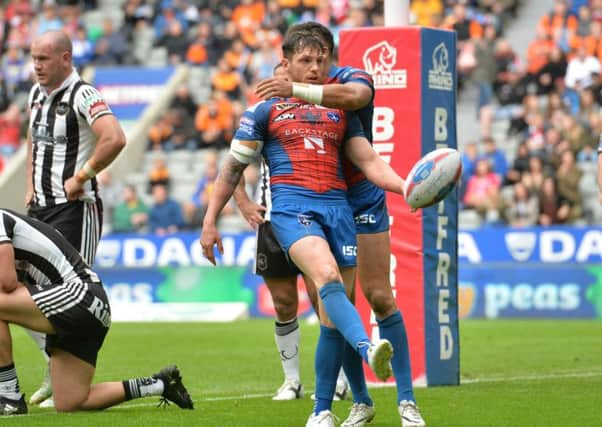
(354, 370)
(393, 329)
(329, 354)
(345, 317)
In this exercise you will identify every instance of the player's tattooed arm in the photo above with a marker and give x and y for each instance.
(232, 171)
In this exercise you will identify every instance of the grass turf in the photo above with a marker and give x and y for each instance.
(514, 373)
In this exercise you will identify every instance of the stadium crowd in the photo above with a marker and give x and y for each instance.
(539, 119)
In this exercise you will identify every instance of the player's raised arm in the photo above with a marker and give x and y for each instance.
(361, 153)
(348, 96)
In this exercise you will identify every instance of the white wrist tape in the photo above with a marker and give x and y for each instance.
(88, 170)
(309, 93)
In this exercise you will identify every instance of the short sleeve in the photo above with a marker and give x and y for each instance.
(354, 126)
(90, 104)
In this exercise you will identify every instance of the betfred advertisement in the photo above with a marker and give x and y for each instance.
(414, 75)
(128, 90)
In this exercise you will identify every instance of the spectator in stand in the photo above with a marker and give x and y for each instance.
(238, 57)
(554, 69)
(558, 18)
(10, 131)
(131, 214)
(424, 10)
(227, 80)
(159, 174)
(263, 61)
(580, 69)
(12, 67)
(273, 16)
(176, 43)
(470, 155)
(485, 72)
(204, 49)
(496, 158)
(534, 177)
(112, 47)
(588, 155)
(568, 176)
(168, 14)
(587, 105)
(247, 17)
(160, 133)
(482, 192)
(183, 101)
(183, 136)
(522, 210)
(553, 208)
(574, 133)
(165, 216)
(538, 52)
(213, 125)
(4, 95)
(520, 164)
(83, 49)
(49, 19)
(110, 191)
(195, 208)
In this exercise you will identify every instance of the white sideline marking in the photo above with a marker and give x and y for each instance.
(263, 395)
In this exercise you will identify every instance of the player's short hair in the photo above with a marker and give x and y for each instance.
(312, 28)
(298, 41)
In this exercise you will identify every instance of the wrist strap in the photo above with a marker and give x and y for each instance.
(309, 93)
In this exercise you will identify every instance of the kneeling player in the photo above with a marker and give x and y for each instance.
(63, 298)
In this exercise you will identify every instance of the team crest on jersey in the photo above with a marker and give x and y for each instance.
(284, 116)
(286, 106)
(334, 116)
(311, 116)
(62, 108)
(304, 219)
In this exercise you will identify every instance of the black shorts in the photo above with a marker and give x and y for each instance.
(271, 261)
(80, 222)
(80, 314)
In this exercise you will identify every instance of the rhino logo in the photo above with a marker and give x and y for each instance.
(439, 76)
(380, 60)
(440, 59)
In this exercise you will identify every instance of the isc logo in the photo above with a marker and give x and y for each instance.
(365, 219)
(349, 250)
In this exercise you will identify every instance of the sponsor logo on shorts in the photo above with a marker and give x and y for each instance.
(365, 219)
(304, 219)
(101, 311)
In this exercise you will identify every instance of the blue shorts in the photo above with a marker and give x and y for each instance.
(332, 222)
(369, 206)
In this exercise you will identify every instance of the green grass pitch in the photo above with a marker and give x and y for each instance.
(514, 373)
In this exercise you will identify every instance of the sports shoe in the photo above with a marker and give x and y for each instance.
(360, 415)
(174, 391)
(48, 403)
(290, 390)
(12, 406)
(379, 359)
(410, 415)
(43, 392)
(323, 419)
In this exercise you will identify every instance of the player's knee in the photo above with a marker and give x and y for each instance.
(328, 274)
(71, 403)
(382, 302)
(285, 309)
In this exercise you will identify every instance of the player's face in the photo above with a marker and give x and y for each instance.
(306, 66)
(50, 66)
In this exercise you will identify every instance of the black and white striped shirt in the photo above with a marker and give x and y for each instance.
(62, 137)
(265, 194)
(43, 256)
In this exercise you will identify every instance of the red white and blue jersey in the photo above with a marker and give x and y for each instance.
(302, 147)
(344, 75)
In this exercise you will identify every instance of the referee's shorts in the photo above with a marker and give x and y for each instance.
(270, 260)
(78, 221)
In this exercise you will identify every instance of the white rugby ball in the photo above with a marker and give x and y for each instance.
(433, 177)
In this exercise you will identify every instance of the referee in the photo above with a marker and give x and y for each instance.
(72, 136)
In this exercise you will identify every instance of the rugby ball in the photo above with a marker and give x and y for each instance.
(433, 177)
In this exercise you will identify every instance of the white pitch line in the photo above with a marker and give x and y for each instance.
(264, 395)
(531, 377)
